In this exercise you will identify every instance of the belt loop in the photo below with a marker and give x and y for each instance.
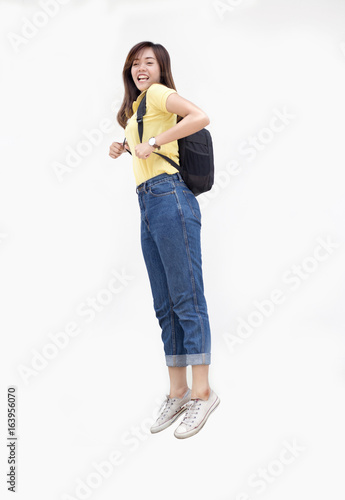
(179, 176)
(141, 187)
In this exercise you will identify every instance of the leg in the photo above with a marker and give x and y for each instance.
(178, 381)
(174, 220)
(201, 387)
(171, 331)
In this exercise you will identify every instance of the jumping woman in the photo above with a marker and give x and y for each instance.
(170, 231)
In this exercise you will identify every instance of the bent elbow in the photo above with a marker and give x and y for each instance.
(206, 120)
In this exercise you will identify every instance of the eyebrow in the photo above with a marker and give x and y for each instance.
(149, 57)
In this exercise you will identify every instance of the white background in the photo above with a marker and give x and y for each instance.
(60, 241)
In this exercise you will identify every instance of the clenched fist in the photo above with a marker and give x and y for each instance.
(117, 148)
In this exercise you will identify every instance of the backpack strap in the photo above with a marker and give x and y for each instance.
(169, 160)
(123, 144)
(141, 112)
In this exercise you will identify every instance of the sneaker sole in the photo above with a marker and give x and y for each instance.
(168, 423)
(196, 430)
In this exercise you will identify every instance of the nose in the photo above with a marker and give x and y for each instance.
(141, 66)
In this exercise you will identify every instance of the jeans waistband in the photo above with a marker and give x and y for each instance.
(144, 185)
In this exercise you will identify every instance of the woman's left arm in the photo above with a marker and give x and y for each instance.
(194, 119)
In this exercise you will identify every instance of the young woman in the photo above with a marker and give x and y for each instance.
(170, 231)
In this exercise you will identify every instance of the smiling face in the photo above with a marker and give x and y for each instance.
(145, 69)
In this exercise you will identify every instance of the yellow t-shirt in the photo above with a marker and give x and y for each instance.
(156, 120)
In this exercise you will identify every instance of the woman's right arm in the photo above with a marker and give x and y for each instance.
(116, 149)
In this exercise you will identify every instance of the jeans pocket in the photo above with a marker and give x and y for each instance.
(162, 188)
(193, 203)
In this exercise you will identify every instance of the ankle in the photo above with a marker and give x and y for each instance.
(201, 393)
(178, 393)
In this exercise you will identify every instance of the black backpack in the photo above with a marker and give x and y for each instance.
(195, 156)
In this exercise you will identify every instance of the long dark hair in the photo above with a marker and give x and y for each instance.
(131, 91)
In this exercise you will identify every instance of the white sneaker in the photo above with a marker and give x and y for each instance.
(170, 410)
(198, 411)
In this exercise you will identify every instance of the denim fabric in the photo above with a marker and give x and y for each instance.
(171, 246)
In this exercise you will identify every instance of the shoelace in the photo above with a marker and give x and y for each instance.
(193, 406)
(165, 406)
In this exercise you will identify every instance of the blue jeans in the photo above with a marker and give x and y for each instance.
(170, 241)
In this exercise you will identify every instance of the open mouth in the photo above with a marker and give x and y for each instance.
(142, 78)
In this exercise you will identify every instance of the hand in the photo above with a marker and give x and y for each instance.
(116, 149)
(143, 150)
